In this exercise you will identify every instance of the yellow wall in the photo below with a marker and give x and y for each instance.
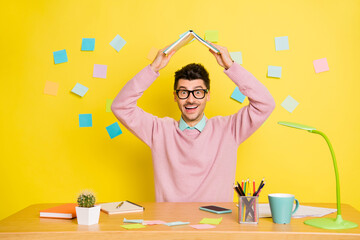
(46, 157)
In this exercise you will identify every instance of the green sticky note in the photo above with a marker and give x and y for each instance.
(108, 105)
(211, 220)
(133, 226)
(212, 35)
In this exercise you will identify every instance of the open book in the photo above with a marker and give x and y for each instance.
(185, 39)
(121, 207)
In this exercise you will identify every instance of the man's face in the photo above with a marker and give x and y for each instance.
(192, 109)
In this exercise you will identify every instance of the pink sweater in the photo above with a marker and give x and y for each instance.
(190, 166)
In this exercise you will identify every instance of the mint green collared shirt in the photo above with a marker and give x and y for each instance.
(199, 126)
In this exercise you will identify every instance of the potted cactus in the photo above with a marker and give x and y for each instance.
(87, 212)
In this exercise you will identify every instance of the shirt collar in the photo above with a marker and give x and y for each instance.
(199, 126)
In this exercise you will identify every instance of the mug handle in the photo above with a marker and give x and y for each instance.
(296, 207)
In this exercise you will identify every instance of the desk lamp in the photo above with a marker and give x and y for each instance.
(326, 223)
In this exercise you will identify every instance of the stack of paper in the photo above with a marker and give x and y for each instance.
(303, 211)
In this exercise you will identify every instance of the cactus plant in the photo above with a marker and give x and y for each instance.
(86, 200)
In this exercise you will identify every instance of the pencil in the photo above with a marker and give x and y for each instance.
(253, 186)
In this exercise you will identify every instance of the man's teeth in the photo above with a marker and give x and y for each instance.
(191, 107)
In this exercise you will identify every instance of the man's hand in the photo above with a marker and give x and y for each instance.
(223, 58)
(161, 60)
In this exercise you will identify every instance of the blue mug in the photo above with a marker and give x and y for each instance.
(281, 206)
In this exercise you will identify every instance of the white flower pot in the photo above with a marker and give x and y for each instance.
(88, 216)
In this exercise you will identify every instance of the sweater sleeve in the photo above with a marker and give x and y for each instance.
(261, 103)
(125, 108)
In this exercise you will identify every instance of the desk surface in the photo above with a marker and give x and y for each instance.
(26, 224)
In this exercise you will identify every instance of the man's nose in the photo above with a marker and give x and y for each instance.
(191, 98)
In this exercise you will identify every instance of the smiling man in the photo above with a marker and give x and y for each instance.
(194, 158)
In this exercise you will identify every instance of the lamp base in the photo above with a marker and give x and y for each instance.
(331, 223)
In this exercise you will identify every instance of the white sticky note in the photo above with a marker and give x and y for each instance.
(289, 104)
(237, 57)
(274, 71)
(282, 43)
(118, 43)
(79, 89)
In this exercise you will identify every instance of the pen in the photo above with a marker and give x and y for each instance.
(120, 204)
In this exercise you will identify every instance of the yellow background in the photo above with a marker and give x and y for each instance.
(46, 157)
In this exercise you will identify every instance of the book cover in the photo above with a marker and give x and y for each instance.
(186, 38)
(126, 207)
(66, 211)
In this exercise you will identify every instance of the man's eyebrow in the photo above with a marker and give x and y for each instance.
(197, 87)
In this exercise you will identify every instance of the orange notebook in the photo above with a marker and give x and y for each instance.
(66, 211)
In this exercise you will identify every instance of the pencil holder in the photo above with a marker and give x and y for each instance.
(249, 209)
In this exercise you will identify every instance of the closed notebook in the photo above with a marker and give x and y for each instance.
(66, 211)
(126, 207)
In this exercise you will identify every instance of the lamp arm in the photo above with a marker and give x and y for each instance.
(335, 168)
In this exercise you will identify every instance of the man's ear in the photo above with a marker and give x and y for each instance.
(208, 96)
(175, 96)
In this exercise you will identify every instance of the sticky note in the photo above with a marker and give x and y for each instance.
(79, 89)
(132, 220)
(153, 222)
(236, 56)
(133, 226)
(85, 120)
(202, 226)
(282, 43)
(212, 35)
(152, 54)
(60, 56)
(178, 223)
(51, 88)
(289, 104)
(99, 71)
(118, 43)
(114, 130)
(88, 44)
(237, 95)
(321, 65)
(211, 220)
(108, 105)
(274, 71)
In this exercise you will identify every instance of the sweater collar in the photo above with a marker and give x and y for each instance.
(199, 126)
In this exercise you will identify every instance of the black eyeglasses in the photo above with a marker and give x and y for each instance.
(197, 93)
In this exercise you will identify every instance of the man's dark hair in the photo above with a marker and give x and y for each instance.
(192, 71)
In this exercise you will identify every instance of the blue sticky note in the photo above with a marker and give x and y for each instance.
(114, 130)
(85, 120)
(88, 44)
(281, 43)
(60, 56)
(170, 224)
(237, 95)
(132, 220)
(79, 89)
(118, 42)
(274, 71)
(237, 57)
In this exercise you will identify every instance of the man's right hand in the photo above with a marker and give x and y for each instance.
(161, 60)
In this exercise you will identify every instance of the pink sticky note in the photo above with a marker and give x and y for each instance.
(100, 71)
(202, 226)
(153, 222)
(321, 65)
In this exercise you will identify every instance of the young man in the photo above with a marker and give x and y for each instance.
(194, 159)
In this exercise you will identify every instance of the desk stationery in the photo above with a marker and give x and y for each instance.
(26, 224)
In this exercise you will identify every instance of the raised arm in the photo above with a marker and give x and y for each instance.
(125, 108)
(261, 103)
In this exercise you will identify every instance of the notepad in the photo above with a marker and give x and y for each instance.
(126, 207)
(66, 211)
